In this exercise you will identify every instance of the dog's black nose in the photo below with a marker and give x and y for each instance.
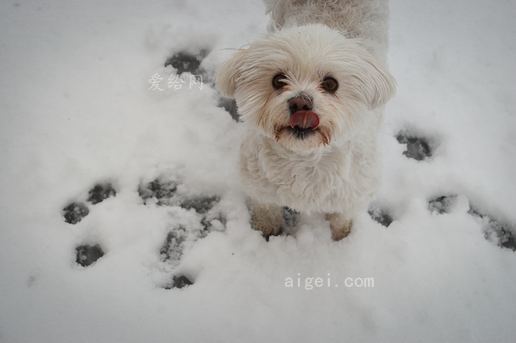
(301, 102)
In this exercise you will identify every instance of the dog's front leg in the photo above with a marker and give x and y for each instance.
(340, 225)
(266, 218)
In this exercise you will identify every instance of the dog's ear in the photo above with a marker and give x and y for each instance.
(227, 74)
(376, 85)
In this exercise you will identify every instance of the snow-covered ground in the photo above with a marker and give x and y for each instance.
(77, 108)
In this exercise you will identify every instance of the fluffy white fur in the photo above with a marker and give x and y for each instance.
(334, 170)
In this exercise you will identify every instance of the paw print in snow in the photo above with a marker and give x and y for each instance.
(164, 191)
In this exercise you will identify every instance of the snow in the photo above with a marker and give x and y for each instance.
(76, 110)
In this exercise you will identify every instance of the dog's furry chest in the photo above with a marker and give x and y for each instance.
(336, 180)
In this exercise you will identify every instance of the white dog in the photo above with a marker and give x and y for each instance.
(311, 96)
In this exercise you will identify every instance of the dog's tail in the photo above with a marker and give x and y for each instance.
(364, 19)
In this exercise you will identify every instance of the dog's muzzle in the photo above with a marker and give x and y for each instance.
(302, 118)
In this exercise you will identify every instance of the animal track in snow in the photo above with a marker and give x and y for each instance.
(75, 211)
(178, 281)
(100, 192)
(169, 191)
(88, 254)
(166, 190)
(418, 148)
(494, 230)
(187, 62)
(230, 106)
(380, 215)
(442, 204)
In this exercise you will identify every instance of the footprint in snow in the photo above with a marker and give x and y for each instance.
(74, 212)
(417, 148)
(495, 230)
(380, 215)
(191, 62)
(165, 190)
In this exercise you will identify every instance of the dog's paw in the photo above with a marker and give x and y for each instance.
(418, 148)
(267, 230)
(268, 219)
(339, 233)
(340, 225)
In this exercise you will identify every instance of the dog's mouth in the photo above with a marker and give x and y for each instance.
(319, 135)
(300, 133)
(304, 120)
(303, 124)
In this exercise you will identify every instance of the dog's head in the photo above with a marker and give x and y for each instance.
(305, 86)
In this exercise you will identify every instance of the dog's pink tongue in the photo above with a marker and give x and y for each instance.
(304, 120)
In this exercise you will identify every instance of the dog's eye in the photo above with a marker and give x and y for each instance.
(329, 84)
(278, 81)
